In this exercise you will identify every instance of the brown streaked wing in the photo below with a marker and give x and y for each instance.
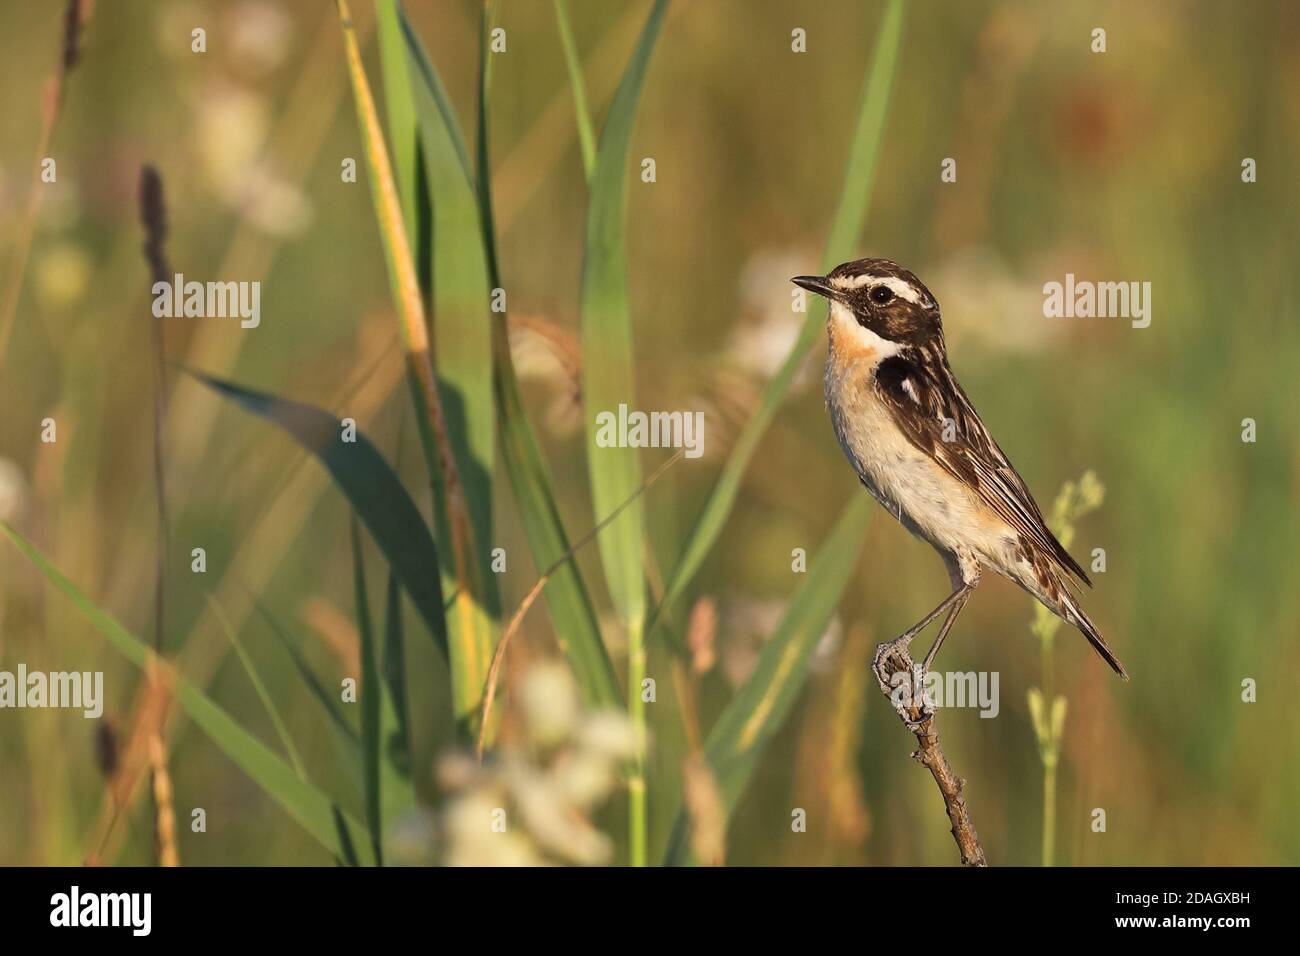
(922, 394)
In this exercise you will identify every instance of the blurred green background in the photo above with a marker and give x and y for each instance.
(1122, 166)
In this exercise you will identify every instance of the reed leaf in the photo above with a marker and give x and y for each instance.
(566, 595)
(440, 192)
(462, 335)
(371, 690)
(403, 138)
(394, 668)
(371, 487)
(608, 376)
(850, 214)
(309, 677)
(312, 808)
(609, 367)
(343, 736)
(582, 114)
(760, 707)
(259, 688)
(471, 648)
(386, 780)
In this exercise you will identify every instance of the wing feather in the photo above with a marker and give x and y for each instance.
(934, 413)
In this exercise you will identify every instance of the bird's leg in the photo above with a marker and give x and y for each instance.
(963, 595)
(888, 649)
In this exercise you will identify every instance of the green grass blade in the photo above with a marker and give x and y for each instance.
(403, 278)
(567, 599)
(343, 736)
(403, 137)
(850, 214)
(609, 366)
(421, 70)
(608, 375)
(369, 484)
(398, 743)
(760, 707)
(868, 135)
(259, 687)
(483, 156)
(313, 682)
(349, 855)
(371, 692)
(566, 596)
(582, 114)
(314, 811)
(439, 442)
(462, 333)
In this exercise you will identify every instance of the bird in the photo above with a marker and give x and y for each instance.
(922, 451)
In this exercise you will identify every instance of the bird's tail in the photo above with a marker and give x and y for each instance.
(1072, 612)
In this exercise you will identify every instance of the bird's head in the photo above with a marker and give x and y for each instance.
(880, 297)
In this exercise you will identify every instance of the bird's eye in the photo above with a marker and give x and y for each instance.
(881, 294)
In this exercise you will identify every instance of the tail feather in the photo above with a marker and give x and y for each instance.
(1076, 616)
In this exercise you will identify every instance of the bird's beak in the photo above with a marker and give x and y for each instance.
(818, 284)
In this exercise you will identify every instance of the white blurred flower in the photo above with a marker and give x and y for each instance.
(585, 778)
(550, 704)
(608, 734)
(554, 822)
(260, 33)
(229, 139)
(532, 805)
(231, 124)
(474, 839)
(274, 205)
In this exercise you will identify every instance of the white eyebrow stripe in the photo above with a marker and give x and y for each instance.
(900, 287)
(852, 282)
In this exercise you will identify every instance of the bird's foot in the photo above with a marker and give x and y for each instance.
(892, 658)
(902, 680)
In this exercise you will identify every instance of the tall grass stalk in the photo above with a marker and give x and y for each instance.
(1046, 708)
(259, 688)
(608, 376)
(567, 597)
(586, 137)
(75, 16)
(468, 662)
(153, 216)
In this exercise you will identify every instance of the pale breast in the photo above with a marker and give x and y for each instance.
(929, 501)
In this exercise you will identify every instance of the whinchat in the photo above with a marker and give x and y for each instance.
(919, 447)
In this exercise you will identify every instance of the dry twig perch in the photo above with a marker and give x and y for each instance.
(917, 714)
